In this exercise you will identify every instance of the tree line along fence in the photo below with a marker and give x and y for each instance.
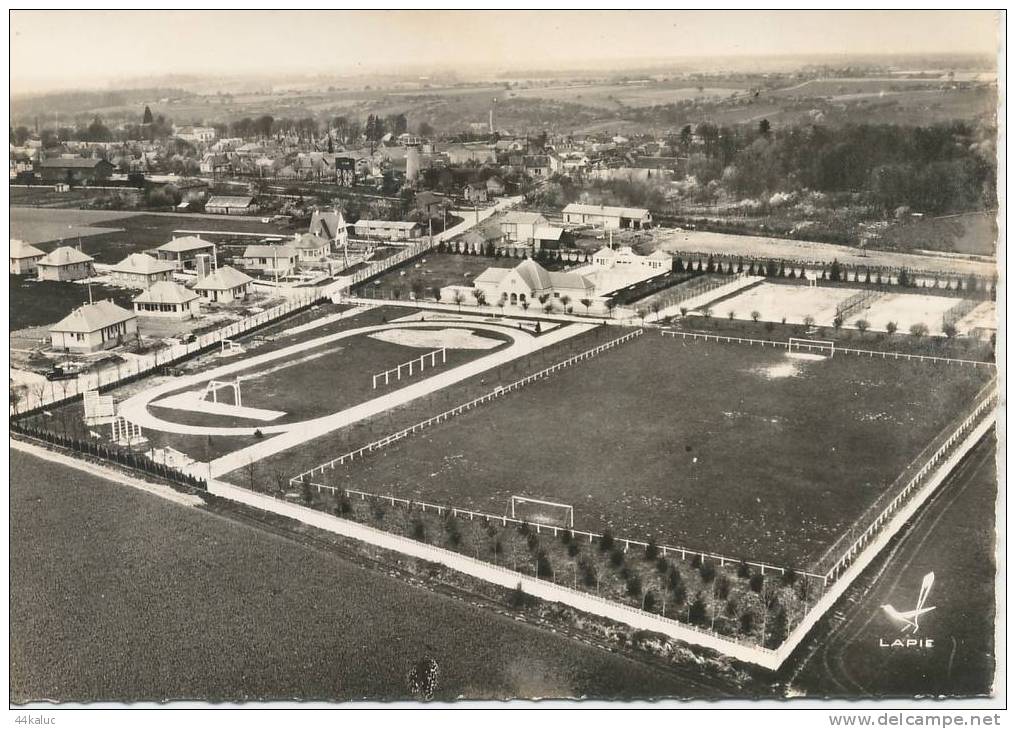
(57, 392)
(742, 649)
(985, 402)
(504, 520)
(497, 392)
(122, 457)
(802, 344)
(850, 273)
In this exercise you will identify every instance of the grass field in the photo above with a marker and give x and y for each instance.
(325, 380)
(122, 233)
(953, 538)
(182, 604)
(615, 96)
(36, 303)
(717, 447)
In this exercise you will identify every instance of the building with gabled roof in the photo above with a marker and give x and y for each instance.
(224, 285)
(92, 327)
(140, 270)
(74, 170)
(182, 252)
(167, 299)
(330, 225)
(310, 247)
(274, 260)
(231, 205)
(24, 257)
(525, 284)
(65, 264)
(520, 227)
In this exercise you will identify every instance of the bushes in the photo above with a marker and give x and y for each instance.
(123, 457)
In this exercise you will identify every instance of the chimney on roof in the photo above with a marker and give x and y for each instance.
(203, 265)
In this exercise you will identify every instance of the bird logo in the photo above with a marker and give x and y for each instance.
(909, 618)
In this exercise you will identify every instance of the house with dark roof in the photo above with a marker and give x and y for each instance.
(92, 327)
(73, 170)
(65, 264)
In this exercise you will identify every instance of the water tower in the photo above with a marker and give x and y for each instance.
(412, 164)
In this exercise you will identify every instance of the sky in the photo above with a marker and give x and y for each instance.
(64, 49)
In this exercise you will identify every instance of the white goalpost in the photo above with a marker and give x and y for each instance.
(567, 510)
(213, 387)
(817, 346)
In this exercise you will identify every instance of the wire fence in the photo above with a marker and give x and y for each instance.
(824, 347)
(499, 391)
(913, 483)
(504, 520)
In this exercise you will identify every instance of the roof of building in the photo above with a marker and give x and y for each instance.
(186, 243)
(71, 162)
(20, 249)
(492, 275)
(519, 217)
(661, 256)
(606, 210)
(165, 292)
(65, 256)
(604, 252)
(229, 201)
(309, 242)
(259, 251)
(327, 224)
(222, 279)
(567, 280)
(398, 224)
(547, 232)
(142, 263)
(535, 275)
(429, 198)
(93, 317)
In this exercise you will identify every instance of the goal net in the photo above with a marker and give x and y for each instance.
(542, 512)
(814, 346)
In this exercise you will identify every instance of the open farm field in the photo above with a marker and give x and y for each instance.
(184, 604)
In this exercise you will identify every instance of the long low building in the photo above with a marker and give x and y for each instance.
(93, 327)
(391, 230)
(606, 216)
(231, 205)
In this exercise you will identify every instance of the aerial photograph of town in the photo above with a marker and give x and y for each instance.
(410, 357)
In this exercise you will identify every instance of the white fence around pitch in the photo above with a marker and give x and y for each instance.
(47, 393)
(420, 363)
(549, 590)
(802, 344)
(498, 391)
(504, 520)
(914, 483)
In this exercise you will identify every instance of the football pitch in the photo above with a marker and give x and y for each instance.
(742, 451)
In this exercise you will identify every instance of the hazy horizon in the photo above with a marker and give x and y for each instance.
(219, 44)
